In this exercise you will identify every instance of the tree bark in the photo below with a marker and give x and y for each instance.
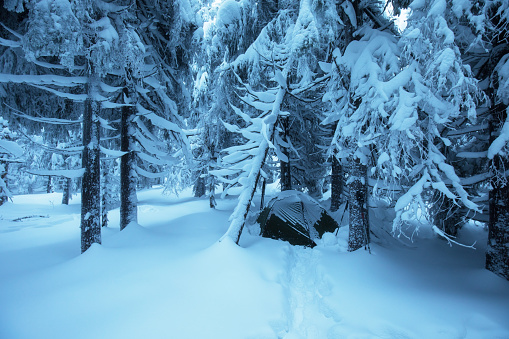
(105, 197)
(91, 181)
(262, 197)
(66, 195)
(212, 179)
(4, 195)
(128, 175)
(199, 186)
(336, 185)
(286, 174)
(358, 235)
(497, 252)
(49, 187)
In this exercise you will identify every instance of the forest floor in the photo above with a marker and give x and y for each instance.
(169, 277)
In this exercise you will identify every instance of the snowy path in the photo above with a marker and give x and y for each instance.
(309, 315)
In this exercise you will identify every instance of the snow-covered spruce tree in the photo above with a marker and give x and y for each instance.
(13, 96)
(352, 16)
(480, 30)
(245, 161)
(441, 92)
(149, 117)
(80, 36)
(284, 51)
(488, 54)
(106, 48)
(226, 30)
(301, 137)
(497, 255)
(168, 35)
(55, 31)
(25, 110)
(362, 74)
(392, 103)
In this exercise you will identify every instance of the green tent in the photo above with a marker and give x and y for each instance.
(295, 217)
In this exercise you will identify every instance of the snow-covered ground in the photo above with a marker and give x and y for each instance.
(171, 278)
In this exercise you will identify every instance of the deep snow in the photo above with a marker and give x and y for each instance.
(171, 278)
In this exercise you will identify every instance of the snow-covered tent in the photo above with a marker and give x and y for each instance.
(295, 217)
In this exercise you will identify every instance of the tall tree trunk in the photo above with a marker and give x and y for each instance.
(3, 174)
(105, 206)
(66, 195)
(358, 235)
(262, 198)
(286, 174)
(212, 194)
(49, 187)
(212, 179)
(358, 205)
(91, 181)
(497, 252)
(336, 185)
(199, 186)
(128, 176)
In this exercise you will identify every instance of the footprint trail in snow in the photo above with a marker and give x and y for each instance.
(307, 290)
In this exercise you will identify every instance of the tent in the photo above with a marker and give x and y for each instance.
(295, 217)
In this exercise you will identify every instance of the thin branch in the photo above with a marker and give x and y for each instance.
(53, 121)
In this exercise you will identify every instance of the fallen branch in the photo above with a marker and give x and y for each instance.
(30, 216)
(450, 240)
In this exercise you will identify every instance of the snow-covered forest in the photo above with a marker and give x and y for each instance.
(254, 169)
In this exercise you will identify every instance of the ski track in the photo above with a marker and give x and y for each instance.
(307, 290)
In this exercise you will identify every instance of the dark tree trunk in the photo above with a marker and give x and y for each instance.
(66, 195)
(199, 186)
(3, 195)
(128, 176)
(105, 206)
(212, 192)
(358, 206)
(212, 179)
(497, 252)
(49, 187)
(286, 175)
(262, 198)
(91, 181)
(336, 185)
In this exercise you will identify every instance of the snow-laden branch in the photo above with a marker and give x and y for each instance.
(150, 175)
(249, 183)
(11, 148)
(449, 239)
(71, 174)
(10, 43)
(44, 79)
(74, 97)
(67, 151)
(501, 141)
(53, 121)
(111, 153)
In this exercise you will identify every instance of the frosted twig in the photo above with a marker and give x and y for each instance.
(450, 240)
